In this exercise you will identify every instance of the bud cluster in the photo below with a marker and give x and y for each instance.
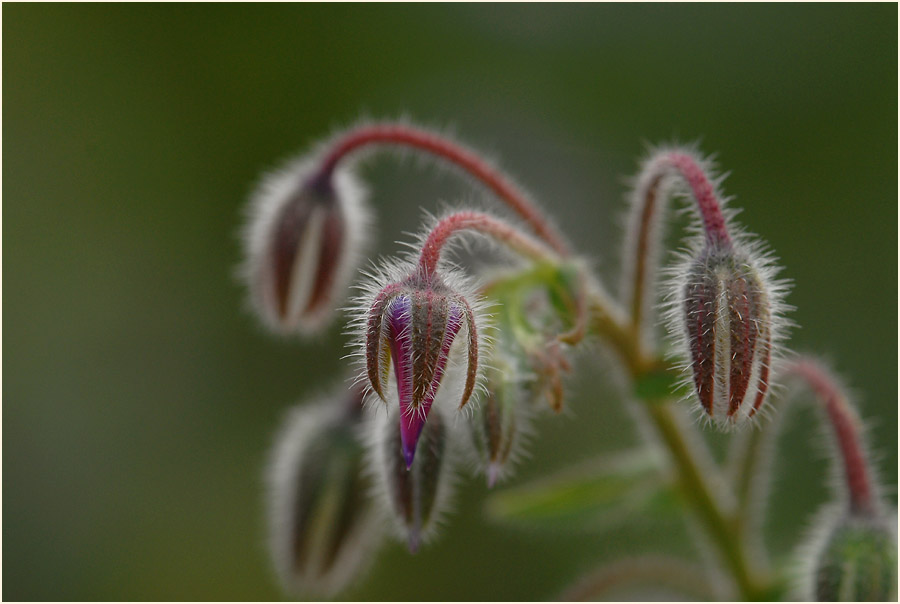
(386, 450)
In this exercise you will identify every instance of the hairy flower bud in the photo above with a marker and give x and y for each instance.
(502, 421)
(416, 495)
(726, 314)
(302, 243)
(323, 526)
(414, 323)
(851, 558)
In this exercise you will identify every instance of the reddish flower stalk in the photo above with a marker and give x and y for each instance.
(704, 193)
(482, 223)
(468, 161)
(845, 424)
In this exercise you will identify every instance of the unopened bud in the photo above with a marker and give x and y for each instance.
(418, 495)
(415, 323)
(726, 315)
(323, 526)
(854, 560)
(302, 243)
(502, 422)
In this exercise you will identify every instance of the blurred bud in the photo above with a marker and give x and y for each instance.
(726, 315)
(302, 242)
(853, 559)
(416, 495)
(550, 365)
(415, 322)
(501, 423)
(323, 526)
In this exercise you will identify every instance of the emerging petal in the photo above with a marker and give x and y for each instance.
(412, 325)
(421, 328)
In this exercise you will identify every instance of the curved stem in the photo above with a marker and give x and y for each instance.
(500, 231)
(493, 179)
(845, 424)
(648, 198)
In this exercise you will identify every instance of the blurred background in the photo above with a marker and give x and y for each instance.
(140, 396)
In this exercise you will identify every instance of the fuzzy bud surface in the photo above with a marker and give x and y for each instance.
(414, 323)
(323, 526)
(302, 244)
(727, 319)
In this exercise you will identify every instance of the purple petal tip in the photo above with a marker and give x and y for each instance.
(409, 451)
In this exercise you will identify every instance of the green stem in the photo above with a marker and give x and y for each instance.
(727, 536)
(723, 533)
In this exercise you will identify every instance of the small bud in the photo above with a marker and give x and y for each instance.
(302, 243)
(323, 526)
(415, 322)
(418, 494)
(501, 423)
(853, 559)
(726, 309)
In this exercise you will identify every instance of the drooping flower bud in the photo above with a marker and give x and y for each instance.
(726, 313)
(415, 323)
(502, 422)
(302, 242)
(852, 559)
(323, 525)
(416, 495)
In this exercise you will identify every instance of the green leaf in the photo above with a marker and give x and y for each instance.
(593, 496)
(660, 384)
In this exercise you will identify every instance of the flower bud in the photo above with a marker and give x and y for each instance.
(726, 315)
(302, 243)
(415, 323)
(416, 495)
(502, 421)
(853, 559)
(323, 526)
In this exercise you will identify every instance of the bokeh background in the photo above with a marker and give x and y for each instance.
(140, 397)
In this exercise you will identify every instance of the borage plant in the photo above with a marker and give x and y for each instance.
(454, 366)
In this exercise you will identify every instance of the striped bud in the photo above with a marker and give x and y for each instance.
(415, 323)
(726, 312)
(302, 244)
(416, 495)
(502, 421)
(323, 526)
(854, 559)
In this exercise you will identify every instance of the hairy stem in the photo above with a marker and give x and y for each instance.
(500, 231)
(465, 159)
(845, 424)
(708, 509)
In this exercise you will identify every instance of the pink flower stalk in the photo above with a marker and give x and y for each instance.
(468, 161)
(847, 432)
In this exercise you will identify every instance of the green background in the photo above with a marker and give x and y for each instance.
(140, 397)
